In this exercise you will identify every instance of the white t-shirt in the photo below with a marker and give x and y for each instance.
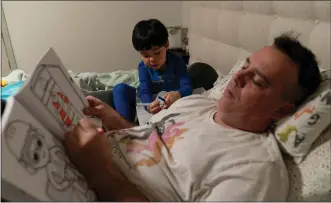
(202, 161)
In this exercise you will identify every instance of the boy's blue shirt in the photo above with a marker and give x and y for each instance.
(174, 78)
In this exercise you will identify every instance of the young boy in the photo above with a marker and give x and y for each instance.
(160, 72)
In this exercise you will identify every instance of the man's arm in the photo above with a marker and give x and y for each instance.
(111, 185)
(114, 121)
(90, 152)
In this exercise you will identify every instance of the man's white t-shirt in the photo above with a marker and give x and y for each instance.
(183, 155)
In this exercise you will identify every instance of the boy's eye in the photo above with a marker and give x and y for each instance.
(157, 53)
(145, 56)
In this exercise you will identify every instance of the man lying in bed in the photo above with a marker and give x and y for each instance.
(200, 150)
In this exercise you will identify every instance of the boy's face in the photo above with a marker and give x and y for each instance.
(155, 58)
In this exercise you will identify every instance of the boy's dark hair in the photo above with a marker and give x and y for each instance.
(309, 77)
(149, 33)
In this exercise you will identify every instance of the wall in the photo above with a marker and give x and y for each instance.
(5, 68)
(87, 35)
(185, 13)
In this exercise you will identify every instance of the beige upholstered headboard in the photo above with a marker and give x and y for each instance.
(223, 32)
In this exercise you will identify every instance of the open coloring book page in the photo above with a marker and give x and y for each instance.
(52, 96)
(34, 162)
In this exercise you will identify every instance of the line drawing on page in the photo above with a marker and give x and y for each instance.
(32, 151)
(45, 88)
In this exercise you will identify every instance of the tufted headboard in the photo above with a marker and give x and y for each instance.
(224, 32)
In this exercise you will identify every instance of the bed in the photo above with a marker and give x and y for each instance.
(222, 33)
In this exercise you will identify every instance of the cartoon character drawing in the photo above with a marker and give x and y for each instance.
(287, 132)
(307, 110)
(157, 136)
(313, 119)
(34, 153)
(298, 139)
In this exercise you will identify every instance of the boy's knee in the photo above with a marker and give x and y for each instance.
(120, 88)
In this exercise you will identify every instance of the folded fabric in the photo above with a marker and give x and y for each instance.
(10, 89)
(92, 81)
(15, 76)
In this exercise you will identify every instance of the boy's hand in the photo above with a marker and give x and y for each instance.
(154, 108)
(170, 98)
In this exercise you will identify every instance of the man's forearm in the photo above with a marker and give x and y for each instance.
(111, 185)
(114, 121)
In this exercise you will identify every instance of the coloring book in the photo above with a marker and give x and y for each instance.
(35, 166)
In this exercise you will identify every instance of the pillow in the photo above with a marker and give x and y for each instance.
(222, 81)
(295, 133)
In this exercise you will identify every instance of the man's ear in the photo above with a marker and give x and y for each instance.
(285, 110)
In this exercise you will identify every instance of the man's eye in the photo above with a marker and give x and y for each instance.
(257, 83)
(145, 56)
(157, 53)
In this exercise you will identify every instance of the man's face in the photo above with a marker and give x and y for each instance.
(257, 90)
(155, 58)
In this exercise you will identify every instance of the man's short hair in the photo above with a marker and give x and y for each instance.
(309, 77)
(149, 33)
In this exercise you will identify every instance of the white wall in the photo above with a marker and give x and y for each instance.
(5, 68)
(87, 35)
(185, 13)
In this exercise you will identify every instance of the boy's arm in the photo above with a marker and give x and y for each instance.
(184, 79)
(145, 84)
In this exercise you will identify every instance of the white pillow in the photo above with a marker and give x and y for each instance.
(297, 132)
(222, 81)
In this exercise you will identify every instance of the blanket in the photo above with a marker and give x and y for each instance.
(88, 81)
(92, 81)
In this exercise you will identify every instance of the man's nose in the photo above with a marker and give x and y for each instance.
(240, 78)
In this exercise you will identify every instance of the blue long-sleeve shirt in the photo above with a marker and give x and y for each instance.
(174, 78)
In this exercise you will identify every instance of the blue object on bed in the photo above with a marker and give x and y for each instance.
(10, 89)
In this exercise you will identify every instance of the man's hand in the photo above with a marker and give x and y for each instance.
(170, 98)
(97, 108)
(88, 148)
(111, 119)
(154, 108)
